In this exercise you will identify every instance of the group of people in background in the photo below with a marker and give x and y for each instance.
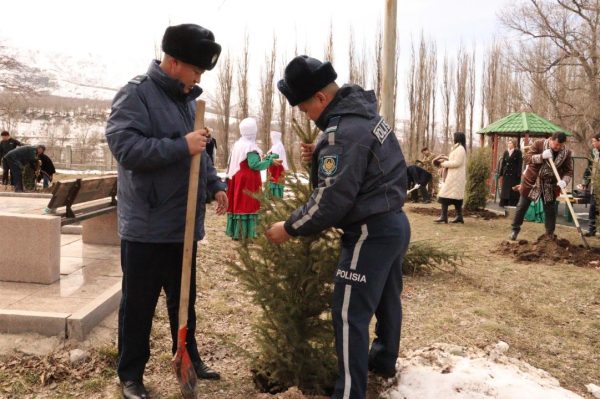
(244, 180)
(16, 156)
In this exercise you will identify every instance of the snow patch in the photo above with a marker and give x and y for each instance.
(453, 372)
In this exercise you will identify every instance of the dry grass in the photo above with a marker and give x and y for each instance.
(550, 315)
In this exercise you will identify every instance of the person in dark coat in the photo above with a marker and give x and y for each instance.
(16, 160)
(7, 144)
(418, 176)
(510, 170)
(150, 131)
(47, 169)
(358, 175)
(211, 146)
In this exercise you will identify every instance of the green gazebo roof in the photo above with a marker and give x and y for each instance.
(523, 123)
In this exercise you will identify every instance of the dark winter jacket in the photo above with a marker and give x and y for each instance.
(21, 156)
(145, 131)
(47, 164)
(417, 175)
(8, 145)
(358, 169)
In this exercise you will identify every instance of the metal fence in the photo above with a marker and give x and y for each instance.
(69, 157)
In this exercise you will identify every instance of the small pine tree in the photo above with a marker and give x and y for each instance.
(28, 178)
(293, 285)
(478, 172)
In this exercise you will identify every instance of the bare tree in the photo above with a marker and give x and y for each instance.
(566, 33)
(471, 91)
(242, 79)
(460, 90)
(447, 88)
(377, 75)
(225, 86)
(266, 94)
(328, 54)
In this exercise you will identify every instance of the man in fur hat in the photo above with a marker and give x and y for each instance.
(358, 174)
(538, 180)
(151, 133)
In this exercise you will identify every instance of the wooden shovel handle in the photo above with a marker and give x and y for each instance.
(190, 223)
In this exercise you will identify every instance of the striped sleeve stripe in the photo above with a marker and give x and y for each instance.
(313, 209)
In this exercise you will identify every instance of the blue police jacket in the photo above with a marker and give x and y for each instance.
(145, 132)
(358, 169)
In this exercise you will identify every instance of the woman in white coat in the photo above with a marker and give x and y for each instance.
(453, 189)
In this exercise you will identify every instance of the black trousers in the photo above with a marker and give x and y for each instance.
(368, 282)
(5, 173)
(549, 214)
(16, 174)
(148, 268)
(592, 215)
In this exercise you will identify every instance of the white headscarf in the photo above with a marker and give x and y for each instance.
(245, 144)
(278, 148)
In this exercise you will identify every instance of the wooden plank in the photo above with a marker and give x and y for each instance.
(95, 188)
(60, 193)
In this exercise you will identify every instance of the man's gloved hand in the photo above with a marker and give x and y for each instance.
(547, 154)
(417, 186)
(562, 184)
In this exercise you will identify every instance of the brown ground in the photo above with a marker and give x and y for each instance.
(549, 314)
(551, 249)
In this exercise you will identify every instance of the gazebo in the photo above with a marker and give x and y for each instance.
(524, 125)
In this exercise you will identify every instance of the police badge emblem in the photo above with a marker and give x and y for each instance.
(329, 165)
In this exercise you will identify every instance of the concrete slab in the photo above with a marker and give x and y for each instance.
(80, 323)
(103, 230)
(44, 323)
(33, 242)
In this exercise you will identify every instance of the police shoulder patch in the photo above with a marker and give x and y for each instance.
(329, 165)
(138, 79)
(382, 130)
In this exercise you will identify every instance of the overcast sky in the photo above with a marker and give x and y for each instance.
(123, 34)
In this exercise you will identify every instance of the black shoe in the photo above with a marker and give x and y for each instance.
(458, 219)
(441, 220)
(382, 373)
(134, 390)
(589, 233)
(513, 235)
(204, 372)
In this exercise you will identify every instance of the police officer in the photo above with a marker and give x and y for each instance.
(359, 180)
(151, 133)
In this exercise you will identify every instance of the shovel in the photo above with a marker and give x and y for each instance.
(569, 205)
(182, 364)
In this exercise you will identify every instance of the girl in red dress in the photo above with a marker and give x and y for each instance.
(277, 172)
(243, 179)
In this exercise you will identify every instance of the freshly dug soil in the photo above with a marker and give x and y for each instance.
(481, 214)
(551, 250)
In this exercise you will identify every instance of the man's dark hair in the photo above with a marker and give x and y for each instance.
(4, 133)
(424, 149)
(597, 136)
(560, 136)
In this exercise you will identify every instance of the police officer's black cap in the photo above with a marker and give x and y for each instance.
(303, 77)
(192, 44)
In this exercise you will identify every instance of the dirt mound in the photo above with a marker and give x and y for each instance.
(550, 249)
(481, 214)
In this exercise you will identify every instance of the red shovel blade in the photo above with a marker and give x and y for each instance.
(183, 367)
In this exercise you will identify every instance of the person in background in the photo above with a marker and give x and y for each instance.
(427, 158)
(277, 172)
(510, 170)
(243, 179)
(418, 179)
(539, 181)
(453, 188)
(211, 146)
(590, 176)
(17, 159)
(7, 144)
(47, 169)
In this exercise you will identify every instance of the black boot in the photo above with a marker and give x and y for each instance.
(134, 390)
(204, 372)
(444, 216)
(459, 215)
(513, 235)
